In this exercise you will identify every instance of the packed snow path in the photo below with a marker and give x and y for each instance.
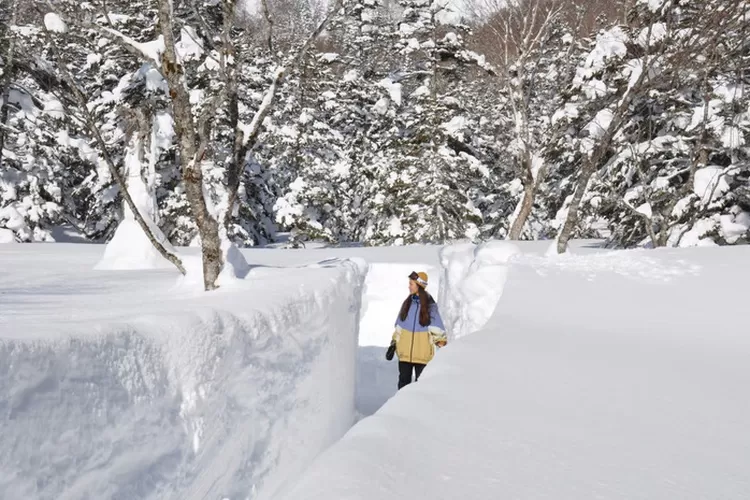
(384, 291)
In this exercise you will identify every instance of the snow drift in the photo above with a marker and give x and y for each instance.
(132, 388)
(614, 375)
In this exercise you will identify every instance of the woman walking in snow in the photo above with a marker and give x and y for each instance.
(419, 329)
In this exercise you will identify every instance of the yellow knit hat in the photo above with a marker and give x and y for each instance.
(420, 278)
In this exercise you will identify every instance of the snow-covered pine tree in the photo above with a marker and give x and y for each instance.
(335, 129)
(40, 170)
(677, 156)
(425, 190)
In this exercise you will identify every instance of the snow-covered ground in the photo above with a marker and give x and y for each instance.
(123, 385)
(615, 375)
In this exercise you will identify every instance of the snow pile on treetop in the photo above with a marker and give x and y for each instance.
(588, 382)
(119, 385)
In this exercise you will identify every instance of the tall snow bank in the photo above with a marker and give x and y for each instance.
(589, 381)
(472, 277)
(123, 387)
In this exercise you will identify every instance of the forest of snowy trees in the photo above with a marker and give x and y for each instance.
(220, 123)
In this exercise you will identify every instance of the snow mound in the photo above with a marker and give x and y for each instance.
(7, 236)
(118, 386)
(130, 249)
(472, 277)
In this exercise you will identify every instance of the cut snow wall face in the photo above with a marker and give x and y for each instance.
(472, 278)
(226, 400)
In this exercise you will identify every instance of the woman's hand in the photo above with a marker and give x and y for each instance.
(391, 351)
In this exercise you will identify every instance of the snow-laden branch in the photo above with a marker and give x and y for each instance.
(253, 129)
(150, 51)
(121, 183)
(8, 128)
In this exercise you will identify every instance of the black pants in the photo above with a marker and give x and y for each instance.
(404, 372)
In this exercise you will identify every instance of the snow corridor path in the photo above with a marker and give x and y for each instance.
(385, 290)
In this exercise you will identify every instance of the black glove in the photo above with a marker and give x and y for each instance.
(391, 351)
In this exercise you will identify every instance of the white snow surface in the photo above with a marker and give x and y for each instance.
(473, 277)
(591, 374)
(120, 385)
(7, 236)
(54, 23)
(609, 375)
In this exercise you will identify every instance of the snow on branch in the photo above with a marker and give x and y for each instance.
(54, 23)
(119, 179)
(251, 132)
(151, 51)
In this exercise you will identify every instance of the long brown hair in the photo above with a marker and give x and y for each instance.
(425, 299)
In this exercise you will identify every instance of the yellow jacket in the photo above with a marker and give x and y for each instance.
(416, 343)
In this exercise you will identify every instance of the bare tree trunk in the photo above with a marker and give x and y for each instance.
(527, 202)
(239, 146)
(8, 78)
(191, 153)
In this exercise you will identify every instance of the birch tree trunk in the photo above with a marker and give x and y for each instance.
(7, 78)
(527, 202)
(191, 152)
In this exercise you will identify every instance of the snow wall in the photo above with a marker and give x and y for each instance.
(473, 278)
(222, 396)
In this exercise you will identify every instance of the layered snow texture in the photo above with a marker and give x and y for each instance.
(612, 375)
(122, 385)
(474, 276)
